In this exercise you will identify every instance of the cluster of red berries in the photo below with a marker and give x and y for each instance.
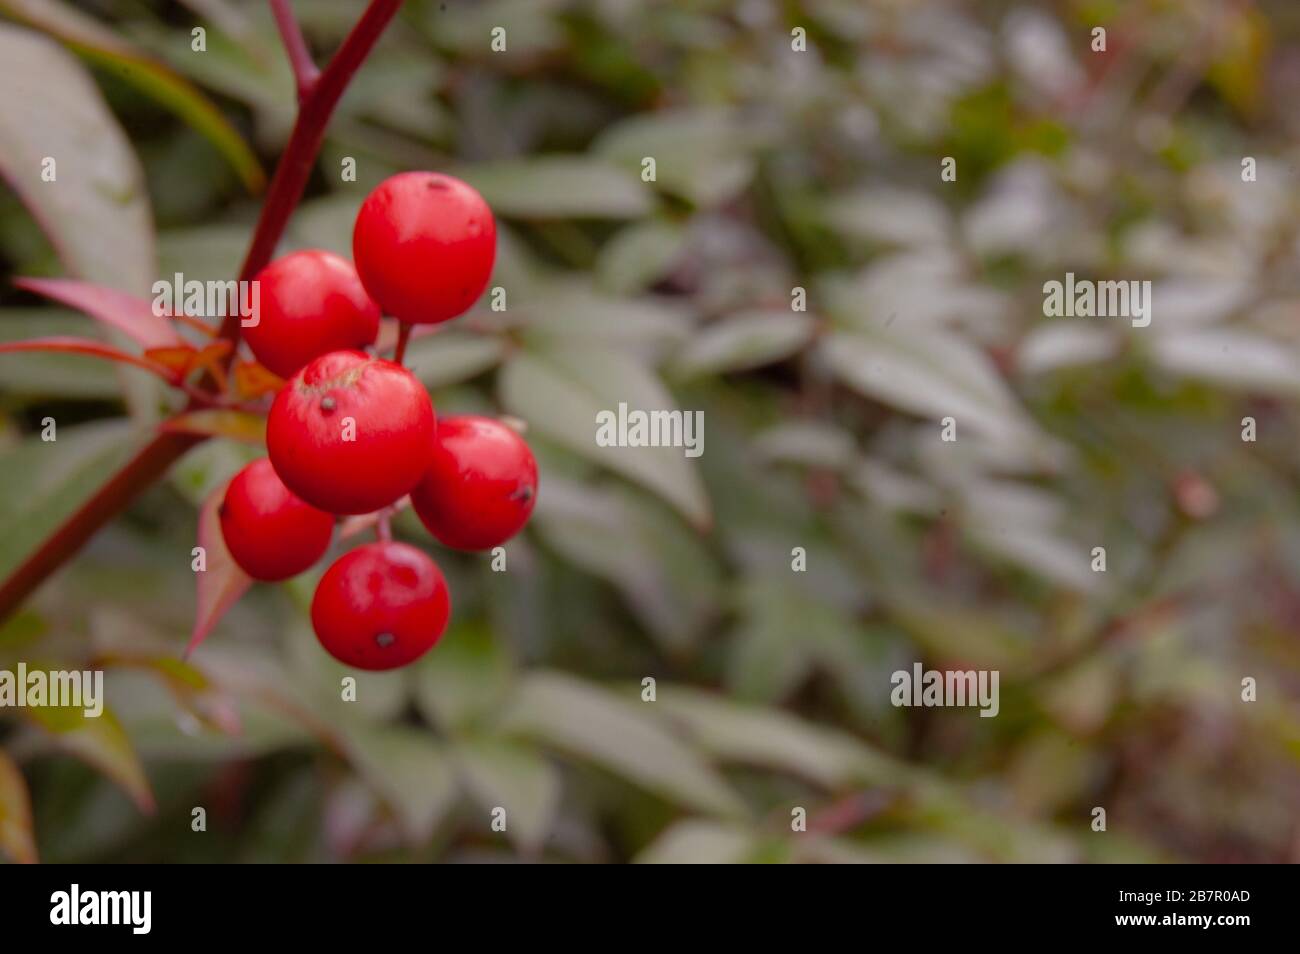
(350, 433)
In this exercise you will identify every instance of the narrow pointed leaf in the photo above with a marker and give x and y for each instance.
(222, 583)
(129, 314)
(17, 835)
(66, 344)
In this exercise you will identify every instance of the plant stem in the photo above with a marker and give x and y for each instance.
(305, 72)
(403, 336)
(147, 466)
(152, 461)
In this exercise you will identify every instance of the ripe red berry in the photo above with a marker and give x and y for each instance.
(271, 533)
(350, 433)
(309, 303)
(424, 244)
(380, 606)
(481, 485)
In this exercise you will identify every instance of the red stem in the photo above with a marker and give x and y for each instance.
(152, 461)
(403, 336)
(305, 72)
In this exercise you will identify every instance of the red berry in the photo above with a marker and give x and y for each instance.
(309, 303)
(380, 606)
(481, 485)
(350, 433)
(424, 245)
(272, 534)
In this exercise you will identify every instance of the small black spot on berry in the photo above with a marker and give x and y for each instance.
(328, 404)
(384, 640)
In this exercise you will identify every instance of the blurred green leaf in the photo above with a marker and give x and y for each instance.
(102, 47)
(96, 213)
(509, 776)
(410, 770)
(770, 739)
(560, 392)
(451, 356)
(744, 341)
(695, 842)
(701, 155)
(466, 681)
(595, 725)
(48, 480)
(99, 741)
(17, 836)
(555, 187)
(638, 255)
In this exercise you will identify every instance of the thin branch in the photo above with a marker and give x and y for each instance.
(299, 157)
(305, 71)
(152, 461)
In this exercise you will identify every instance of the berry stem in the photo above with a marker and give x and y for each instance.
(403, 336)
(384, 526)
(305, 71)
(317, 101)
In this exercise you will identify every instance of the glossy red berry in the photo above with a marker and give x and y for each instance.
(424, 244)
(309, 303)
(350, 433)
(271, 533)
(481, 484)
(380, 606)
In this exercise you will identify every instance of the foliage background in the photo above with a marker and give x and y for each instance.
(776, 169)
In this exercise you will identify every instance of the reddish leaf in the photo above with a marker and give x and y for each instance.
(237, 425)
(211, 360)
(17, 839)
(88, 346)
(185, 359)
(222, 583)
(179, 358)
(253, 380)
(126, 313)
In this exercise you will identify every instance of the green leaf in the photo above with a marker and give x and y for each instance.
(639, 255)
(1238, 359)
(626, 738)
(104, 48)
(53, 375)
(932, 373)
(660, 567)
(695, 842)
(47, 481)
(770, 739)
(96, 212)
(450, 357)
(506, 775)
(17, 834)
(700, 155)
(409, 769)
(466, 681)
(561, 392)
(100, 742)
(746, 340)
(559, 187)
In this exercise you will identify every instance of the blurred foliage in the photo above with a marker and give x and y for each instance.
(776, 169)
